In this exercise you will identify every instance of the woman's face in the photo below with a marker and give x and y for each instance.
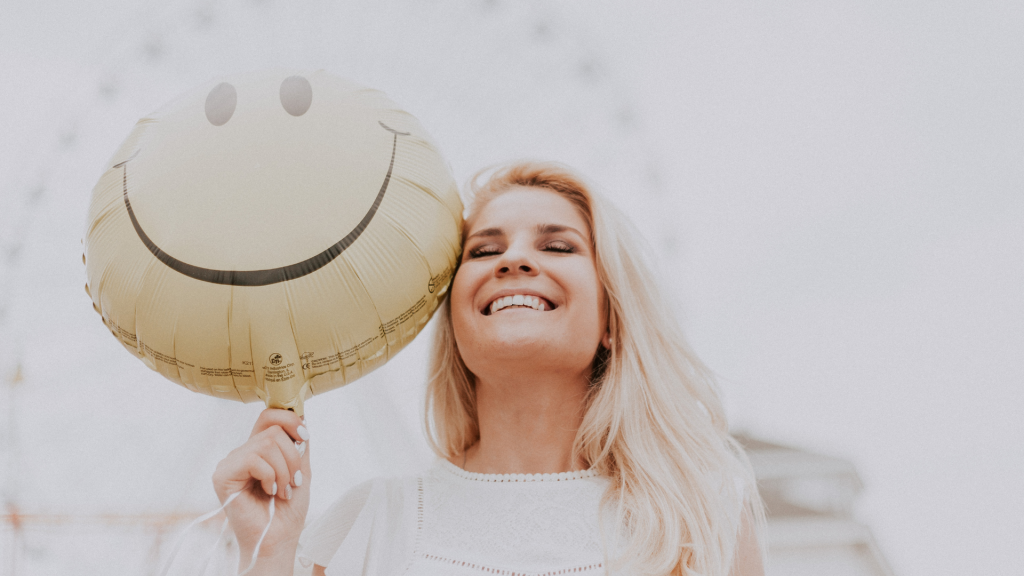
(526, 296)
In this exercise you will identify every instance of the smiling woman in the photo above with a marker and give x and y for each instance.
(575, 431)
(528, 243)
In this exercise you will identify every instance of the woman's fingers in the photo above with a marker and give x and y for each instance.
(286, 419)
(263, 472)
(271, 457)
(290, 451)
(277, 449)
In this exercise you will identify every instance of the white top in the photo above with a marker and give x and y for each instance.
(456, 523)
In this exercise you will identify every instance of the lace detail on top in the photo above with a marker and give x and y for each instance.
(480, 477)
(500, 572)
(536, 524)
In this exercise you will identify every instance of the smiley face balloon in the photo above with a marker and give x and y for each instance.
(272, 235)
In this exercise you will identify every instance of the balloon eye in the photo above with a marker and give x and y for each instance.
(220, 104)
(296, 95)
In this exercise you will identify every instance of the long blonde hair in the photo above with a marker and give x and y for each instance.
(654, 423)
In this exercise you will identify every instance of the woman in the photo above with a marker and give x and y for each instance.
(577, 434)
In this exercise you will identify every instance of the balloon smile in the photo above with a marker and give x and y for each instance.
(270, 275)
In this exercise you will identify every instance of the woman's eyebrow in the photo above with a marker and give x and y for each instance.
(543, 229)
(487, 233)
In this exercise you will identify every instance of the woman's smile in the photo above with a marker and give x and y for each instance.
(517, 300)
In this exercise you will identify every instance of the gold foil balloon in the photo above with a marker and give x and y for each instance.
(272, 235)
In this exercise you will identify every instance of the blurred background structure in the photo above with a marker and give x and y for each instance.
(834, 193)
(810, 500)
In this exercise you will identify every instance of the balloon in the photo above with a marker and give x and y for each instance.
(272, 236)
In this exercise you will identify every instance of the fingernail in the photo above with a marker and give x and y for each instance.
(303, 433)
(273, 491)
(298, 478)
(301, 447)
(288, 492)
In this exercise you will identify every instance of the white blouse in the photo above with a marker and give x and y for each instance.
(456, 523)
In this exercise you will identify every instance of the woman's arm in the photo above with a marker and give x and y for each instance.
(748, 550)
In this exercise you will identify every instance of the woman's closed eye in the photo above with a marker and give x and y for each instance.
(484, 250)
(560, 246)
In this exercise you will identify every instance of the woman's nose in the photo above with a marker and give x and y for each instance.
(515, 261)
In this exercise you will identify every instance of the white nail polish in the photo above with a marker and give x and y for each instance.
(298, 478)
(301, 447)
(303, 433)
(274, 490)
(287, 492)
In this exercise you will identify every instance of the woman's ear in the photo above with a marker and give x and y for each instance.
(606, 340)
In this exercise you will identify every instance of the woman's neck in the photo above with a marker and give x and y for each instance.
(527, 424)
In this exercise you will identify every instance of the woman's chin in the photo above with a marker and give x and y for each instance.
(522, 340)
(521, 351)
(505, 334)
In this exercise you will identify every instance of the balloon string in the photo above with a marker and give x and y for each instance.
(207, 516)
(213, 549)
(181, 537)
(256, 551)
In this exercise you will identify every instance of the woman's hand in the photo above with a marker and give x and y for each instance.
(276, 456)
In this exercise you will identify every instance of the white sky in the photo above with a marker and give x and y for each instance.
(836, 195)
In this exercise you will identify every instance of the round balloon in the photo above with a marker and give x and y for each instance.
(272, 235)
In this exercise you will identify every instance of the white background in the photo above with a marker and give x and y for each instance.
(835, 192)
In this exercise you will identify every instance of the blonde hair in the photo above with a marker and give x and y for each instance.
(654, 423)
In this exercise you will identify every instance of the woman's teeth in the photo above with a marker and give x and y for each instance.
(518, 300)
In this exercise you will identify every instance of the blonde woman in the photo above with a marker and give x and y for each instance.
(576, 434)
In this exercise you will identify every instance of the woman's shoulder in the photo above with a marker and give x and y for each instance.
(375, 511)
(375, 491)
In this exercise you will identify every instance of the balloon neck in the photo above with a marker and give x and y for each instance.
(293, 402)
(296, 407)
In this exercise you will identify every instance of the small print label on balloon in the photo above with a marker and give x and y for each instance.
(346, 357)
(165, 358)
(390, 326)
(124, 334)
(279, 373)
(225, 372)
(439, 280)
(339, 358)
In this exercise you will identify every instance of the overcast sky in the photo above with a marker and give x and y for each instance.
(834, 191)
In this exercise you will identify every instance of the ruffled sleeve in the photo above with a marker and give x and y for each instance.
(367, 531)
